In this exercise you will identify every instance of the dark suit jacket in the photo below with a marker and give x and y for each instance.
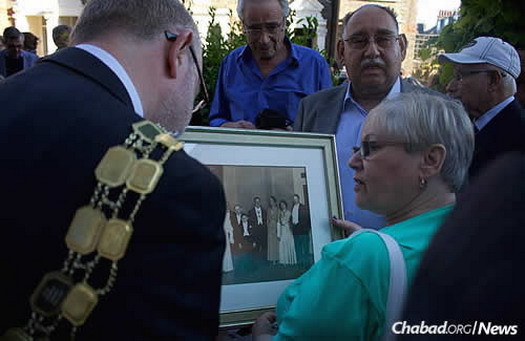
(504, 133)
(320, 112)
(472, 268)
(303, 227)
(259, 233)
(168, 283)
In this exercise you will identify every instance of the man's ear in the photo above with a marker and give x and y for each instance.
(432, 160)
(403, 44)
(176, 51)
(495, 80)
(341, 52)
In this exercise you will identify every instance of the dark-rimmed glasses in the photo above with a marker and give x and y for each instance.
(202, 103)
(271, 28)
(368, 147)
(359, 42)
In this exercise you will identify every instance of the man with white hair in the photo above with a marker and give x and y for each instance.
(268, 76)
(115, 233)
(485, 73)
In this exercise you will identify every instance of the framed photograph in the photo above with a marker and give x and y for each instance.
(281, 190)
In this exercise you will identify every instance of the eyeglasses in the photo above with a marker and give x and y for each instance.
(202, 103)
(270, 28)
(368, 147)
(459, 75)
(359, 42)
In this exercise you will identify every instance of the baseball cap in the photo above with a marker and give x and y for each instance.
(488, 50)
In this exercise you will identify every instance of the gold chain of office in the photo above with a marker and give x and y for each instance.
(99, 232)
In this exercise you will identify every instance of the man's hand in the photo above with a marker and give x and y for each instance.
(345, 225)
(265, 327)
(239, 125)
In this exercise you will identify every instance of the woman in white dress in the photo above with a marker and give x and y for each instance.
(271, 226)
(284, 233)
(227, 262)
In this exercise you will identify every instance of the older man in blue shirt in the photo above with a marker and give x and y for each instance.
(268, 73)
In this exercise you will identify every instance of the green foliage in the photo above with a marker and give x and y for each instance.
(214, 51)
(496, 18)
(424, 53)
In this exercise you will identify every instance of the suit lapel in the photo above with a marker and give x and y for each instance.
(328, 123)
(91, 67)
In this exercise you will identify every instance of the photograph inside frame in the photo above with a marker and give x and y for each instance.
(267, 224)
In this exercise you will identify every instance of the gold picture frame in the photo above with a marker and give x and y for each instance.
(289, 162)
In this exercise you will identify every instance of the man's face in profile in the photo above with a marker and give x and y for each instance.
(14, 46)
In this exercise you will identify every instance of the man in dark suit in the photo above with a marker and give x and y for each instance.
(257, 217)
(486, 70)
(301, 230)
(131, 58)
(471, 270)
(372, 51)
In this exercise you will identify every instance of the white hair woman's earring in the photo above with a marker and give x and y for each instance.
(422, 183)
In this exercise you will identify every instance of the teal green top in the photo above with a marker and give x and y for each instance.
(343, 296)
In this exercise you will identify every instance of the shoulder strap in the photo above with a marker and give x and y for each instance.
(398, 281)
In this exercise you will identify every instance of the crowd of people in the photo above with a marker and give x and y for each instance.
(278, 234)
(18, 50)
(116, 233)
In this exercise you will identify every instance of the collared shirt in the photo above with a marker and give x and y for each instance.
(295, 214)
(348, 135)
(245, 230)
(242, 92)
(484, 119)
(112, 63)
(344, 295)
(258, 212)
(238, 218)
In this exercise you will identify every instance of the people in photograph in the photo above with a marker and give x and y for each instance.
(372, 50)
(248, 243)
(287, 254)
(269, 74)
(257, 216)
(72, 128)
(271, 226)
(13, 58)
(485, 73)
(227, 260)
(413, 157)
(236, 222)
(301, 231)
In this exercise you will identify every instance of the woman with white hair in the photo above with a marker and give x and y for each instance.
(414, 155)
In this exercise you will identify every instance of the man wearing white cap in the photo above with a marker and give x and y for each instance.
(485, 73)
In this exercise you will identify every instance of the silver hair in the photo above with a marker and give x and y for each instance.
(509, 83)
(139, 19)
(423, 120)
(242, 3)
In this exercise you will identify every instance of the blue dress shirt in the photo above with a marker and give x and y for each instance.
(242, 92)
(484, 119)
(347, 136)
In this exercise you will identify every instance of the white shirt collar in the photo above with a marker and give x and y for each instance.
(394, 90)
(112, 63)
